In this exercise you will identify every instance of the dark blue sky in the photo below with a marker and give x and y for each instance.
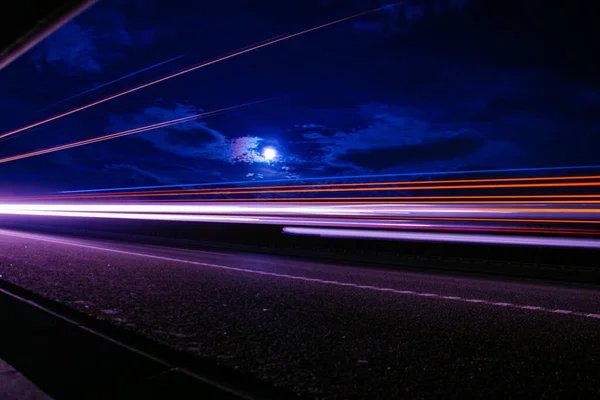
(430, 85)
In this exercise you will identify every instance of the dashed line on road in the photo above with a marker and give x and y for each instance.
(44, 238)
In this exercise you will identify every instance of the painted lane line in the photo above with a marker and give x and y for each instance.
(312, 280)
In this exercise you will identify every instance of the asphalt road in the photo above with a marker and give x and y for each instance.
(328, 331)
(13, 385)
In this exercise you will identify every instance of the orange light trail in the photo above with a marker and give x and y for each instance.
(244, 190)
(251, 48)
(453, 187)
(367, 199)
(382, 200)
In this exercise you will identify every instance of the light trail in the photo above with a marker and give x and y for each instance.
(391, 218)
(340, 200)
(500, 186)
(268, 189)
(358, 200)
(388, 211)
(337, 190)
(276, 39)
(361, 199)
(436, 173)
(273, 220)
(113, 81)
(312, 209)
(444, 237)
(134, 216)
(123, 133)
(143, 70)
(345, 188)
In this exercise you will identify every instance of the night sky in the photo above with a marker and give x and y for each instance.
(428, 85)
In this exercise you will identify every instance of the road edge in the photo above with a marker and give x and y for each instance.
(70, 355)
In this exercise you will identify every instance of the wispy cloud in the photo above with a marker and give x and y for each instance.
(396, 140)
(70, 50)
(188, 139)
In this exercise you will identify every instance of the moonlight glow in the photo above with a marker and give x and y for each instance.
(269, 153)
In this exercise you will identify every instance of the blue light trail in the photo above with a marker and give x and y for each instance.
(332, 178)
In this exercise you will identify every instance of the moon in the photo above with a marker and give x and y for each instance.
(269, 153)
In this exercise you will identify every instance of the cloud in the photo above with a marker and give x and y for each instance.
(395, 139)
(459, 145)
(309, 126)
(188, 139)
(140, 175)
(71, 50)
(240, 150)
(244, 149)
(209, 150)
(89, 43)
(369, 26)
(414, 13)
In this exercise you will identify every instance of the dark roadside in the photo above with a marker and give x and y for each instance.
(73, 356)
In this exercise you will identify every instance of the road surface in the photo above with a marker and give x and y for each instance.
(328, 331)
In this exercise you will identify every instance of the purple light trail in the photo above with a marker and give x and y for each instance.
(445, 237)
(388, 220)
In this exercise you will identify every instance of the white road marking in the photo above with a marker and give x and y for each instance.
(312, 280)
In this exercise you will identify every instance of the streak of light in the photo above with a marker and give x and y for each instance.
(375, 202)
(565, 168)
(298, 215)
(124, 133)
(358, 200)
(337, 190)
(273, 220)
(445, 237)
(285, 209)
(139, 216)
(166, 208)
(139, 71)
(244, 190)
(268, 212)
(196, 67)
(205, 218)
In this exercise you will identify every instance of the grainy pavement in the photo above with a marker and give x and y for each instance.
(328, 331)
(14, 386)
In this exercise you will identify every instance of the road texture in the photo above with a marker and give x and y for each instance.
(328, 331)
(14, 386)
